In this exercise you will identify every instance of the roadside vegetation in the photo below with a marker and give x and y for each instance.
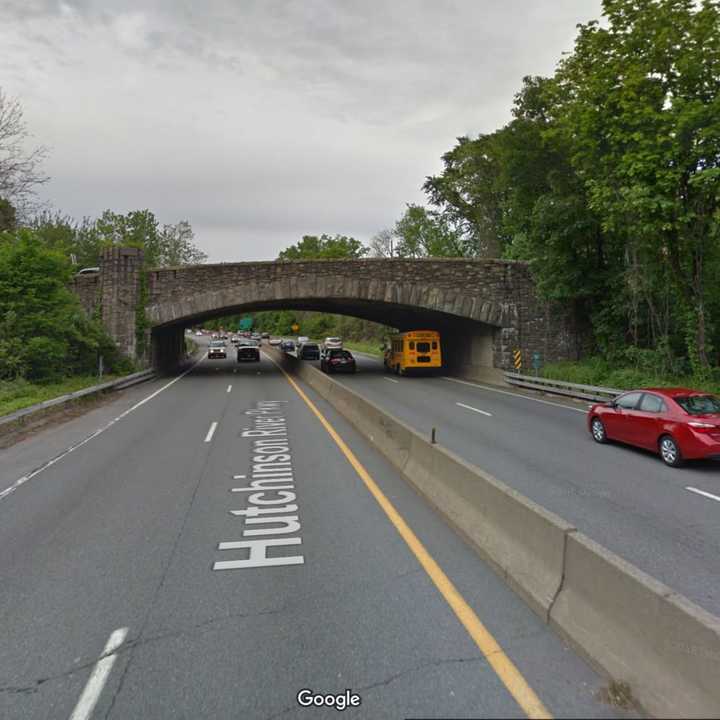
(20, 393)
(607, 182)
(48, 345)
(191, 347)
(369, 348)
(600, 372)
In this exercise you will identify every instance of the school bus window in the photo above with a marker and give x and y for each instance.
(412, 344)
(423, 347)
(434, 345)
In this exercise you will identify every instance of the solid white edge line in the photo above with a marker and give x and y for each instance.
(703, 493)
(211, 432)
(505, 392)
(21, 481)
(98, 678)
(470, 407)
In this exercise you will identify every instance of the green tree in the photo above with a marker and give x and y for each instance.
(138, 228)
(425, 233)
(44, 334)
(177, 246)
(8, 216)
(78, 240)
(171, 245)
(468, 196)
(313, 247)
(640, 111)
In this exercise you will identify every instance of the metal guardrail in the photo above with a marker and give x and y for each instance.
(559, 387)
(119, 384)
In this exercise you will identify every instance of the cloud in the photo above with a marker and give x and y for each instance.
(267, 119)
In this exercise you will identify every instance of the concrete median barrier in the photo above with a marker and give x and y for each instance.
(632, 628)
(523, 541)
(637, 629)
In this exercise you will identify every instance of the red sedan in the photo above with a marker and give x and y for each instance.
(678, 423)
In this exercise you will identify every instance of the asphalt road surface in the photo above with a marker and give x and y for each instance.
(624, 498)
(116, 600)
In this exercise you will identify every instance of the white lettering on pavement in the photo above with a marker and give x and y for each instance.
(271, 509)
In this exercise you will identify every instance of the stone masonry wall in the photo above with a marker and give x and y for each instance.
(87, 288)
(496, 292)
(120, 269)
(499, 294)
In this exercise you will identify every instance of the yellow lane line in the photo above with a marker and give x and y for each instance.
(505, 669)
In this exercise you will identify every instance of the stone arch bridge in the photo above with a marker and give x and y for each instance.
(485, 309)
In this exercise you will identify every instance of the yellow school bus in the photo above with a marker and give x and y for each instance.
(413, 351)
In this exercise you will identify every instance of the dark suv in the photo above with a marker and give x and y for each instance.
(309, 351)
(248, 351)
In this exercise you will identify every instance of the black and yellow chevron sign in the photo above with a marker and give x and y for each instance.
(517, 356)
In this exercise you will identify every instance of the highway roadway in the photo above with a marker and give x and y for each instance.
(137, 579)
(625, 499)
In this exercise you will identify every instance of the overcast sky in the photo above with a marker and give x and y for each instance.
(260, 121)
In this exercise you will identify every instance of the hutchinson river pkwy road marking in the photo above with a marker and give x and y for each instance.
(96, 683)
(272, 493)
(21, 481)
(503, 666)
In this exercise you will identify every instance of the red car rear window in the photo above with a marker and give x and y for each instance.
(699, 404)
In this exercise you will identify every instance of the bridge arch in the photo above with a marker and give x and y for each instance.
(484, 308)
(396, 303)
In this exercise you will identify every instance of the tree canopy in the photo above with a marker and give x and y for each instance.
(607, 180)
(44, 333)
(163, 246)
(314, 247)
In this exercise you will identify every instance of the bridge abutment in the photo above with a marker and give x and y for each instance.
(167, 348)
(120, 296)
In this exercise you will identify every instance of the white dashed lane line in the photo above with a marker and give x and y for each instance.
(229, 388)
(505, 392)
(474, 409)
(391, 380)
(21, 481)
(91, 694)
(211, 432)
(703, 493)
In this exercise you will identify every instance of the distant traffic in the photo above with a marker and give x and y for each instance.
(678, 424)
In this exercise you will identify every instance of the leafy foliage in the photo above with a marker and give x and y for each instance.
(169, 246)
(607, 181)
(425, 233)
(8, 215)
(324, 247)
(166, 246)
(44, 334)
